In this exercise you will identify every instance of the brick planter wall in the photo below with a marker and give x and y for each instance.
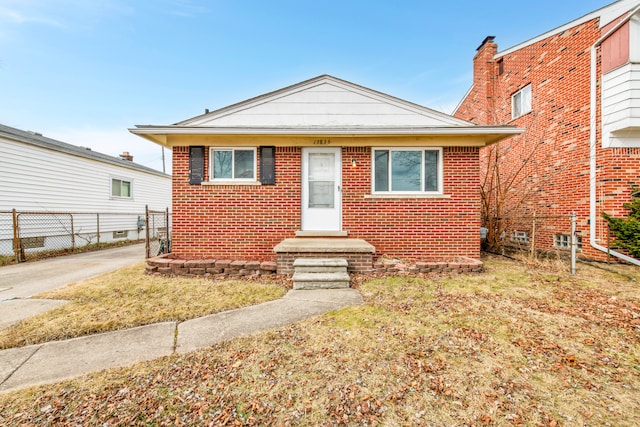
(459, 265)
(358, 263)
(167, 265)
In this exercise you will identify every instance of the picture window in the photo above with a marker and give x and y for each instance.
(407, 170)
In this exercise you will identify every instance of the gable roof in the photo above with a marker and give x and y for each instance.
(38, 140)
(324, 101)
(324, 105)
(606, 15)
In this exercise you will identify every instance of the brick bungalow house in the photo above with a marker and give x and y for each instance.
(576, 92)
(323, 168)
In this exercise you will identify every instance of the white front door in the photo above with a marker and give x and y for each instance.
(321, 189)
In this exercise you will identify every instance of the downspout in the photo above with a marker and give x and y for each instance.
(593, 146)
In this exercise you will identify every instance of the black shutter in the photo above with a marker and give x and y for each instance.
(196, 165)
(268, 165)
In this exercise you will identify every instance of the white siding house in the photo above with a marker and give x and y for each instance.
(39, 174)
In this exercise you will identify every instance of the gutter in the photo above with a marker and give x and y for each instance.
(593, 145)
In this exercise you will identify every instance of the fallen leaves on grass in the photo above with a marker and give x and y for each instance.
(421, 352)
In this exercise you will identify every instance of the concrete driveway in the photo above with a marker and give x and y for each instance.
(19, 282)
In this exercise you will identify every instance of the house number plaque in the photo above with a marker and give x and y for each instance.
(321, 142)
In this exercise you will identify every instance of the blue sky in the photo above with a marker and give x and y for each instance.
(83, 71)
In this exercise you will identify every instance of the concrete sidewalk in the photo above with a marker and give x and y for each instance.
(59, 360)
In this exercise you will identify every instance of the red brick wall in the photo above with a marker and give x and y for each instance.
(551, 159)
(235, 221)
(246, 222)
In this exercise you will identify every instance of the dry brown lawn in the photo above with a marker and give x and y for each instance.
(517, 345)
(128, 298)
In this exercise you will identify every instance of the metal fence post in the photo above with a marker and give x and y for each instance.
(533, 237)
(574, 243)
(73, 235)
(168, 243)
(98, 228)
(17, 248)
(147, 239)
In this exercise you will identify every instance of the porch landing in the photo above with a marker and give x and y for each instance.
(357, 252)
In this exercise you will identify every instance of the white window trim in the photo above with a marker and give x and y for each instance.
(233, 181)
(390, 193)
(119, 178)
(524, 109)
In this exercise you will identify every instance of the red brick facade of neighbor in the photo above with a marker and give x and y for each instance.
(564, 162)
(402, 178)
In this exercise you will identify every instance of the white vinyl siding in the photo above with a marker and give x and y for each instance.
(407, 171)
(32, 178)
(327, 103)
(621, 107)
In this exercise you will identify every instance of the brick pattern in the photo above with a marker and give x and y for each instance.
(169, 265)
(553, 153)
(246, 222)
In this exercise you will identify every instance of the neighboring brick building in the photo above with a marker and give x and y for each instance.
(325, 158)
(567, 160)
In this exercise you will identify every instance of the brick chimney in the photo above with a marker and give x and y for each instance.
(484, 74)
(126, 156)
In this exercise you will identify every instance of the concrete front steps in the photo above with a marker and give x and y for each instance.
(320, 273)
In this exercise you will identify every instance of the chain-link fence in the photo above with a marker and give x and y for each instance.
(158, 233)
(536, 235)
(26, 235)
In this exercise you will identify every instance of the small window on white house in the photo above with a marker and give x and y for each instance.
(120, 188)
(521, 102)
(233, 164)
(563, 241)
(407, 170)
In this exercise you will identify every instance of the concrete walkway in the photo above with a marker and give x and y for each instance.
(19, 282)
(59, 360)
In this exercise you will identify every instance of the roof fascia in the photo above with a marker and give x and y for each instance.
(599, 13)
(153, 132)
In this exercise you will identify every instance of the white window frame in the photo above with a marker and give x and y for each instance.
(521, 98)
(440, 173)
(233, 179)
(121, 180)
